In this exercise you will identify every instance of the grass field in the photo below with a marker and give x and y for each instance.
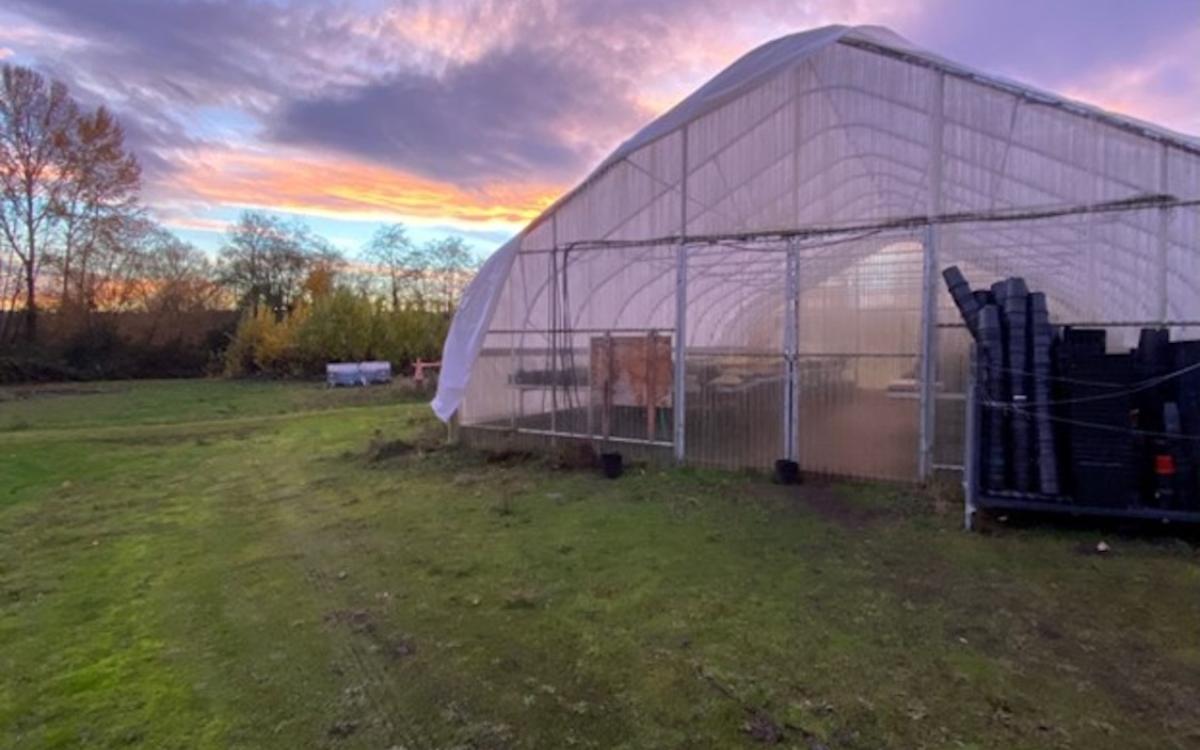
(228, 565)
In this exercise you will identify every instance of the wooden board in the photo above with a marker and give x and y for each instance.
(631, 371)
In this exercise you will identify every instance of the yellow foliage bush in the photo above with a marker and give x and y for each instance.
(339, 326)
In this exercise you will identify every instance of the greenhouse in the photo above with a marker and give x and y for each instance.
(756, 275)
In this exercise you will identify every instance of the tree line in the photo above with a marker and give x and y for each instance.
(306, 305)
(86, 271)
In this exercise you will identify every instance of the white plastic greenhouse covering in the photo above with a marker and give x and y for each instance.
(785, 227)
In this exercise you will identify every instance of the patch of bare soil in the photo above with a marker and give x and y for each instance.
(383, 449)
(762, 728)
(826, 502)
(522, 599)
(400, 647)
(574, 456)
(819, 496)
(343, 729)
(425, 442)
(362, 622)
(357, 620)
(508, 457)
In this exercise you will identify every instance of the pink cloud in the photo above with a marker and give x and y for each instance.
(1159, 88)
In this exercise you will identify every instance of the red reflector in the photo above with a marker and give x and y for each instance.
(1164, 464)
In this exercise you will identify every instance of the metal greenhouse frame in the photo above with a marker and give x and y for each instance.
(774, 243)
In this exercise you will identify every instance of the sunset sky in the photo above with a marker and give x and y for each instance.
(468, 117)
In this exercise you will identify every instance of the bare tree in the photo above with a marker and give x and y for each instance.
(36, 123)
(115, 265)
(266, 260)
(451, 266)
(398, 260)
(99, 199)
(174, 278)
(429, 275)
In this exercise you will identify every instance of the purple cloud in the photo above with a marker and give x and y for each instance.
(1052, 43)
(484, 92)
(509, 114)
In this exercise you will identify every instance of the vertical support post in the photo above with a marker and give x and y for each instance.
(1164, 238)
(928, 371)
(610, 375)
(971, 440)
(679, 397)
(553, 327)
(1092, 294)
(651, 387)
(790, 348)
(590, 406)
(515, 392)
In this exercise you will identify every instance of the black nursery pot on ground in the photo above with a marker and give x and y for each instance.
(612, 464)
(787, 472)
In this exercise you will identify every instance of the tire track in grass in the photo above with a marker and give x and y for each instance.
(378, 688)
(351, 659)
(369, 702)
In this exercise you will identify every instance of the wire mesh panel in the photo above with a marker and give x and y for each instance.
(735, 407)
(536, 372)
(735, 360)
(953, 360)
(614, 317)
(859, 333)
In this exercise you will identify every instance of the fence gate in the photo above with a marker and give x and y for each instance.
(857, 356)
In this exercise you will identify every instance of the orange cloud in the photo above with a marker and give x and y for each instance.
(346, 189)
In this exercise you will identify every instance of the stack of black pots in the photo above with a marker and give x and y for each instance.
(1098, 420)
(1064, 421)
(1019, 449)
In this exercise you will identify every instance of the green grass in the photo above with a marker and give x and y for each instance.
(219, 565)
(172, 401)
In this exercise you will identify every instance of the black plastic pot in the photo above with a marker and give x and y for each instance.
(787, 472)
(611, 464)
